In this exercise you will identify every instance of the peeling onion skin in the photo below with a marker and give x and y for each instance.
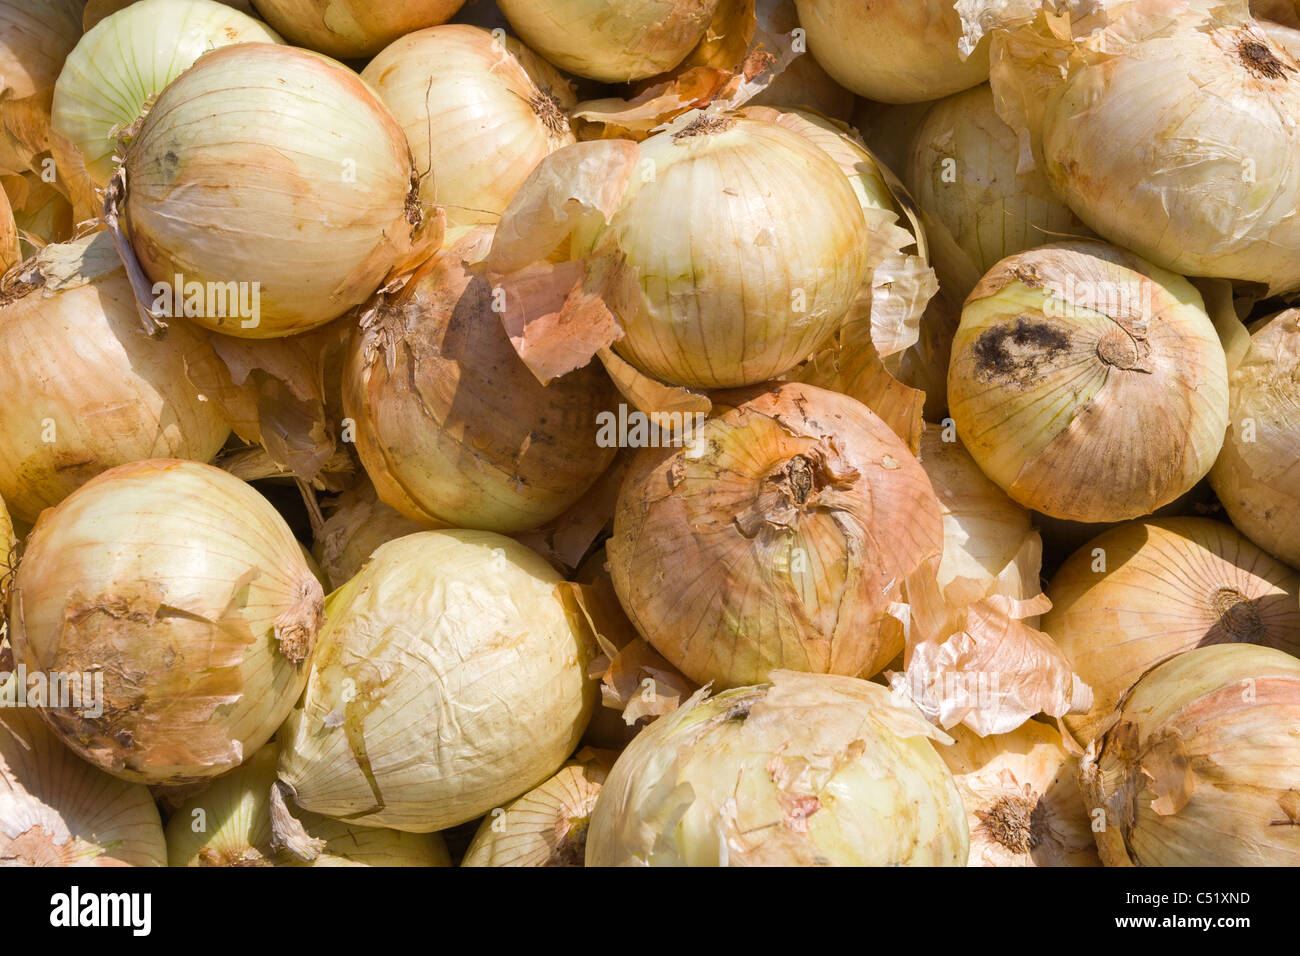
(358, 524)
(1257, 475)
(220, 190)
(452, 427)
(79, 371)
(615, 41)
(736, 259)
(187, 590)
(478, 116)
(58, 810)
(895, 51)
(811, 770)
(1171, 585)
(1022, 799)
(353, 29)
(1088, 383)
(35, 37)
(1202, 764)
(229, 824)
(777, 539)
(450, 679)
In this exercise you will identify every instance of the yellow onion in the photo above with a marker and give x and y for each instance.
(546, 826)
(741, 245)
(357, 524)
(611, 40)
(58, 810)
(1022, 799)
(807, 770)
(777, 538)
(895, 51)
(1088, 383)
(451, 677)
(187, 591)
(116, 69)
(42, 214)
(35, 36)
(1144, 592)
(83, 389)
(451, 425)
(1182, 146)
(224, 189)
(1202, 764)
(353, 29)
(963, 173)
(479, 113)
(229, 824)
(1257, 475)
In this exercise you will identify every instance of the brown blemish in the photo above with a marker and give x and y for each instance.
(1014, 353)
(704, 126)
(548, 110)
(1260, 60)
(1015, 821)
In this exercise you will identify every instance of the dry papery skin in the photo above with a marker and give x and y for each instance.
(357, 523)
(1148, 591)
(1088, 383)
(34, 40)
(1201, 763)
(778, 537)
(41, 213)
(352, 29)
(186, 590)
(452, 426)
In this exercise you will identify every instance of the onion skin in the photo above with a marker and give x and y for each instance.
(35, 37)
(1170, 585)
(1088, 383)
(477, 115)
(353, 29)
(83, 389)
(1256, 476)
(218, 198)
(775, 540)
(615, 41)
(359, 524)
(39, 210)
(1202, 764)
(452, 427)
(186, 589)
(810, 770)
(896, 51)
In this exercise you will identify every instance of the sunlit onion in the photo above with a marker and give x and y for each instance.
(353, 29)
(84, 389)
(1089, 384)
(35, 36)
(1147, 591)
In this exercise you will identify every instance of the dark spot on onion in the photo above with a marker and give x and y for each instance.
(1014, 354)
(1260, 60)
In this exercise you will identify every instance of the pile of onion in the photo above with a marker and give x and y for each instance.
(83, 390)
(229, 824)
(1257, 475)
(1088, 383)
(451, 677)
(353, 29)
(479, 112)
(451, 425)
(58, 810)
(221, 190)
(186, 590)
(779, 537)
(1201, 765)
(806, 770)
(1147, 591)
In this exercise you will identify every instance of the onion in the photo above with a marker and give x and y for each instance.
(35, 36)
(1089, 384)
(803, 83)
(739, 255)
(229, 824)
(452, 427)
(806, 770)
(1021, 794)
(42, 214)
(778, 538)
(1144, 592)
(353, 29)
(57, 810)
(1285, 12)
(222, 188)
(116, 69)
(451, 677)
(187, 591)
(84, 390)
(895, 51)
(358, 524)
(611, 40)
(546, 826)
(478, 112)
(1202, 765)
(10, 254)
(1257, 475)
